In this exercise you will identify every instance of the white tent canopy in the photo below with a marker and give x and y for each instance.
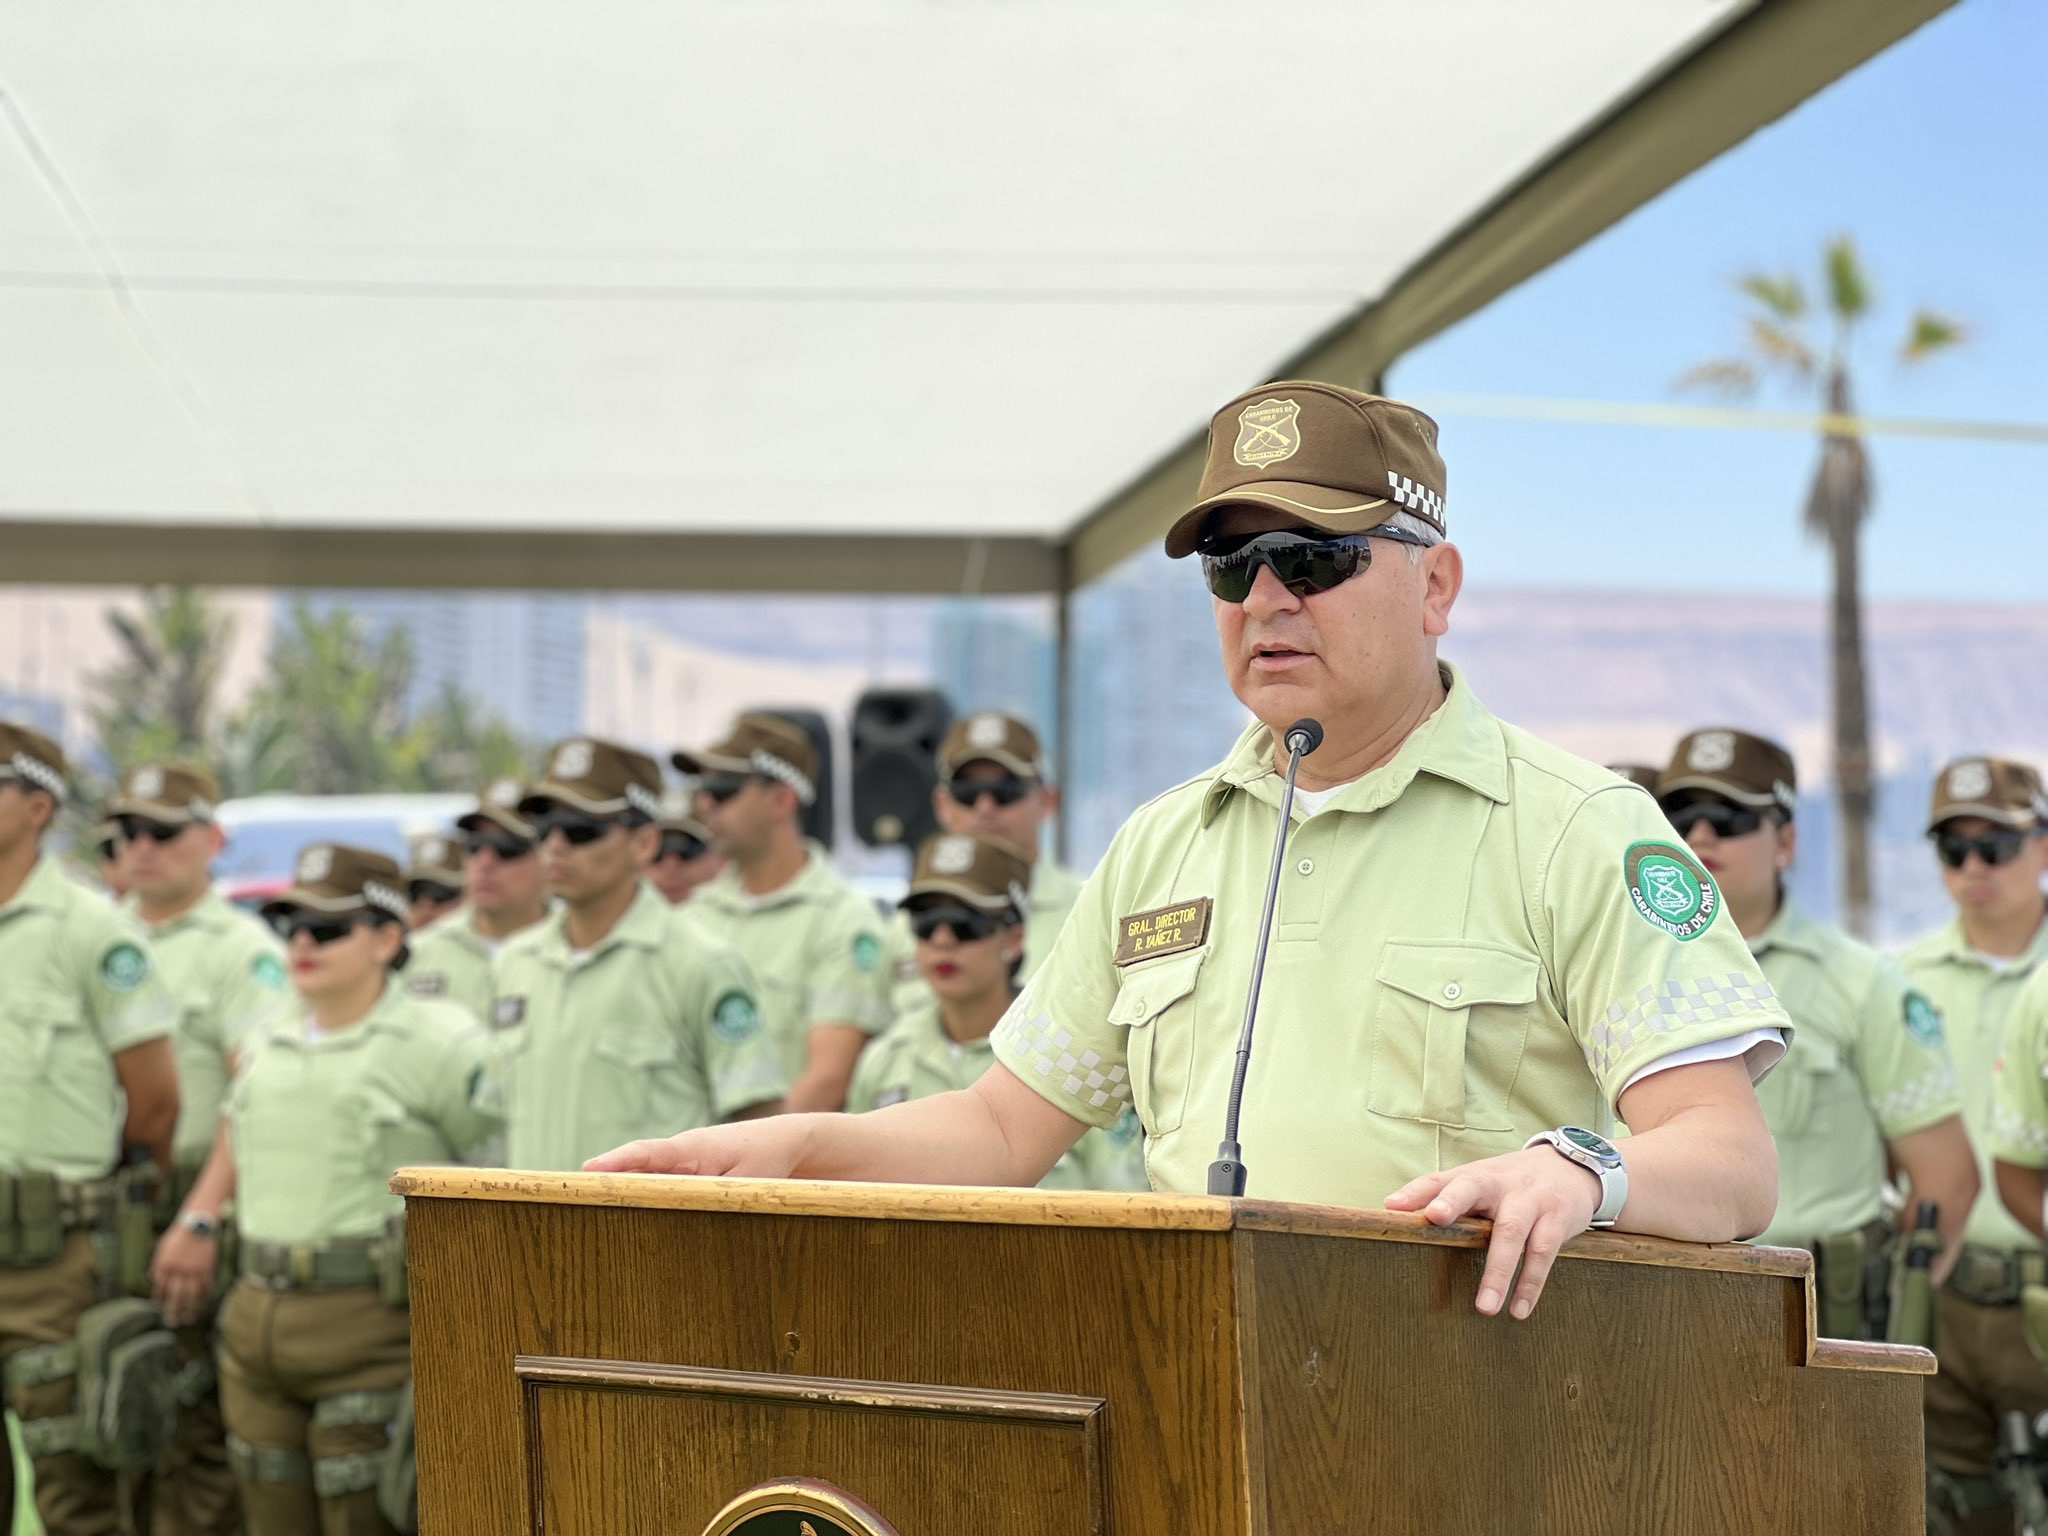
(790, 293)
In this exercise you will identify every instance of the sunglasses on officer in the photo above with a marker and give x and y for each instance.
(505, 846)
(1994, 848)
(719, 788)
(1726, 820)
(1008, 791)
(680, 845)
(1303, 563)
(322, 928)
(966, 925)
(134, 829)
(577, 830)
(431, 890)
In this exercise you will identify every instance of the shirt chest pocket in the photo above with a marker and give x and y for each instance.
(1450, 1023)
(42, 1029)
(631, 1067)
(388, 1134)
(1155, 1006)
(1795, 1097)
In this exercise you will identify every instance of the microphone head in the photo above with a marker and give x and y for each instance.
(1304, 736)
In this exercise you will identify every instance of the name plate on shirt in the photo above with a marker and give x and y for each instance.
(1163, 931)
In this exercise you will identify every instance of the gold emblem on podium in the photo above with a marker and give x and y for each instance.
(797, 1506)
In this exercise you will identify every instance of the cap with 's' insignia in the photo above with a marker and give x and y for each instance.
(498, 806)
(599, 778)
(435, 858)
(172, 793)
(764, 744)
(1336, 459)
(1736, 765)
(1996, 788)
(333, 877)
(984, 872)
(30, 758)
(1642, 775)
(992, 737)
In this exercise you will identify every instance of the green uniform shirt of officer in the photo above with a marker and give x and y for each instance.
(78, 985)
(452, 961)
(2019, 1104)
(655, 1030)
(1576, 948)
(320, 1122)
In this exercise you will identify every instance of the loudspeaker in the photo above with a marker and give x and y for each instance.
(817, 818)
(897, 733)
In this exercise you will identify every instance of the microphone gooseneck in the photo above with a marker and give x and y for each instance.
(1227, 1173)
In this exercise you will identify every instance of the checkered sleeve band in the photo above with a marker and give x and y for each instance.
(768, 764)
(2017, 1139)
(1910, 1107)
(1037, 1046)
(1669, 1007)
(39, 773)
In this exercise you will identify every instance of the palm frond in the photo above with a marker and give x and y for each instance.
(1849, 294)
(1782, 296)
(1931, 333)
(1733, 377)
(1781, 347)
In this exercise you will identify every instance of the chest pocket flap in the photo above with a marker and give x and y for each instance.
(1808, 1074)
(1428, 1045)
(1160, 1050)
(1146, 991)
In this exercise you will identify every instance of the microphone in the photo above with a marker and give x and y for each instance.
(1227, 1173)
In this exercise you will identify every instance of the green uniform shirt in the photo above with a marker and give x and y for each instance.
(78, 985)
(226, 971)
(451, 959)
(817, 947)
(1867, 1066)
(915, 1058)
(1054, 890)
(320, 1121)
(1975, 1000)
(2019, 1103)
(656, 1030)
(1480, 939)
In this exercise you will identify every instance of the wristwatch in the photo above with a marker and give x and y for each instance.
(199, 1224)
(1599, 1157)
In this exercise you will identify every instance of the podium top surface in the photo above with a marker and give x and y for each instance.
(1048, 1208)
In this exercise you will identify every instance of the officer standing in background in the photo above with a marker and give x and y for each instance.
(684, 860)
(433, 879)
(225, 971)
(966, 906)
(110, 862)
(617, 1016)
(361, 1080)
(815, 943)
(506, 894)
(1867, 1075)
(85, 1029)
(1986, 824)
(1485, 948)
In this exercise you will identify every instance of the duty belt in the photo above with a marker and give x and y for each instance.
(340, 1265)
(37, 1210)
(1994, 1277)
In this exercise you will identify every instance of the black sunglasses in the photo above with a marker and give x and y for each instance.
(718, 788)
(1726, 820)
(968, 792)
(318, 927)
(108, 849)
(680, 845)
(577, 831)
(135, 828)
(504, 845)
(1994, 848)
(431, 890)
(1303, 563)
(968, 926)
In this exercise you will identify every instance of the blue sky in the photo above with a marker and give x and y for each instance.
(1934, 156)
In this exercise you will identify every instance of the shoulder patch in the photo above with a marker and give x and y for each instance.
(867, 951)
(1163, 930)
(736, 1018)
(1923, 1019)
(124, 967)
(1669, 890)
(507, 1011)
(268, 971)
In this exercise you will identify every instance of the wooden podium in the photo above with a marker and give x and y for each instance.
(624, 1356)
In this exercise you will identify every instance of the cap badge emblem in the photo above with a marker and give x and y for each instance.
(1969, 781)
(1712, 751)
(953, 856)
(987, 731)
(1267, 433)
(147, 784)
(573, 760)
(504, 793)
(316, 864)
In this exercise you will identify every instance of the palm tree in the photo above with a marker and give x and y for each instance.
(1813, 348)
(159, 700)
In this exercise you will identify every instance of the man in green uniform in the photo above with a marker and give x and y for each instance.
(967, 908)
(617, 1014)
(1485, 950)
(226, 972)
(111, 856)
(87, 1070)
(1987, 824)
(815, 943)
(1867, 1076)
(506, 895)
(433, 879)
(684, 861)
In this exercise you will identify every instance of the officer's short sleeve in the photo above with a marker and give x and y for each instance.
(124, 990)
(741, 1061)
(2019, 1106)
(1645, 958)
(1901, 1056)
(866, 1086)
(849, 976)
(1057, 1036)
(463, 1106)
(255, 993)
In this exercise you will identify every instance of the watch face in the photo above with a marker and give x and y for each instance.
(1586, 1141)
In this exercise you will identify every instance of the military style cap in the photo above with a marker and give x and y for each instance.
(599, 778)
(1642, 775)
(332, 877)
(984, 872)
(764, 744)
(1337, 459)
(1995, 788)
(172, 793)
(31, 758)
(499, 806)
(990, 737)
(435, 858)
(676, 817)
(1735, 765)
(106, 832)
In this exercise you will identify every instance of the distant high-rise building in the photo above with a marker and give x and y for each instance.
(998, 655)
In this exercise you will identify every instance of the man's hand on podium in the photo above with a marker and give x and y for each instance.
(1536, 1199)
(748, 1149)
